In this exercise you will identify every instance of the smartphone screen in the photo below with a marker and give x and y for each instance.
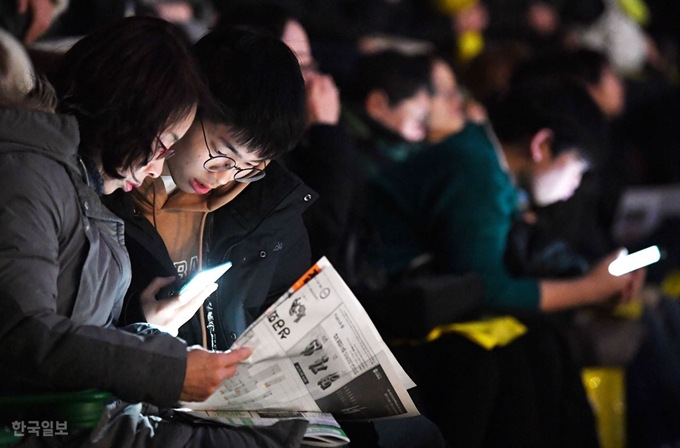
(204, 278)
(628, 263)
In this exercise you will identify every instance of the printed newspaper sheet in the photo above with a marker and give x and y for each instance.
(316, 350)
(323, 429)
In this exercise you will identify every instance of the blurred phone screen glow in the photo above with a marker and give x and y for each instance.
(634, 261)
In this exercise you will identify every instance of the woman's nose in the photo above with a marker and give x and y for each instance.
(154, 168)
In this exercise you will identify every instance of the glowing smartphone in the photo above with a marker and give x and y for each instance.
(199, 281)
(628, 263)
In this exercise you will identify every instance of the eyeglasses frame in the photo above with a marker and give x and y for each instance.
(257, 173)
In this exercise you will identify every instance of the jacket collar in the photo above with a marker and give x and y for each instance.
(257, 201)
(250, 205)
(152, 194)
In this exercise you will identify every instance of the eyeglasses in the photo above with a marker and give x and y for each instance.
(164, 152)
(221, 163)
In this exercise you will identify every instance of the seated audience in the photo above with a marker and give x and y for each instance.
(457, 192)
(467, 201)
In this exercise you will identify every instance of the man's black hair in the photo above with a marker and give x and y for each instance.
(126, 84)
(563, 107)
(400, 76)
(256, 81)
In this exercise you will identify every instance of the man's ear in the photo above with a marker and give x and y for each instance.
(376, 103)
(540, 145)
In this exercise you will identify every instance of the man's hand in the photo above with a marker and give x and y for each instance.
(42, 13)
(171, 313)
(609, 287)
(323, 99)
(206, 371)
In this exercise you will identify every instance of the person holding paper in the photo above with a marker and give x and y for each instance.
(222, 197)
(63, 265)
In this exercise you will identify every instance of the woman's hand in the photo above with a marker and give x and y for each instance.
(171, 313)
(206, 370)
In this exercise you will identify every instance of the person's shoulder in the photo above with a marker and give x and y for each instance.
(472, 137)
(27, 167)
(288, 187)
(31, 181)
(280, 189)
(278, 183)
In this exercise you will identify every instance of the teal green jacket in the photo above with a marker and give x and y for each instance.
(455, 202)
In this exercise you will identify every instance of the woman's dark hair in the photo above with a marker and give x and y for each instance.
(399, 75)
(126, 84)
(258, 87)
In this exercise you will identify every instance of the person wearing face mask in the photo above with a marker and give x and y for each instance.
(64, 269)
(222, 196)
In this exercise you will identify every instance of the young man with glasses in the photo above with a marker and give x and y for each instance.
(222, 197)
(325, 158)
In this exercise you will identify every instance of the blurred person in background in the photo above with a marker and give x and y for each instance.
(28, 20)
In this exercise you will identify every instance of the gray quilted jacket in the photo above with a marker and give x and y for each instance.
(63, 273)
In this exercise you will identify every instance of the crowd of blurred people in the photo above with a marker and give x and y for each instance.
(455, 160)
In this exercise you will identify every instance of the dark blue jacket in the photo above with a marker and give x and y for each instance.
(261, 232)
